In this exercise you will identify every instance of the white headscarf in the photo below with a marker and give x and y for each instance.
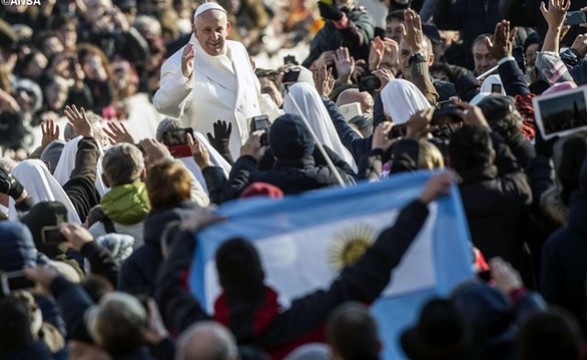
(312, 107)
(487, 84)
(66, 165)
(41, 186)
(402, 99)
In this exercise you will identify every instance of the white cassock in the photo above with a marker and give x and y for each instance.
(222, 87)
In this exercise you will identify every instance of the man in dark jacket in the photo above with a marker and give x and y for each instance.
(346, 26)
(249, 308)
(564, 270)
(471, 17)
(495, 192)
(295, 169)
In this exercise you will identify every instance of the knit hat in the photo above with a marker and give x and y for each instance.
(118, 245)
(289, 138)
(262, 189)
(17, 249)
(496, 107)
(52, 153)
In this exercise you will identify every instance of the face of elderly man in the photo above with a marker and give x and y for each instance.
(211, 29)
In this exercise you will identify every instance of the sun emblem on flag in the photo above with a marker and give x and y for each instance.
(349, 245)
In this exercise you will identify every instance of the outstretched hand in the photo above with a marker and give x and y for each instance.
(437, 185)
(118, 133)
(199, 152)
(556, 12)
(414, 35)
(187, 60)
(50, 132)
(79, 121)
(324, 80)
(503, 40)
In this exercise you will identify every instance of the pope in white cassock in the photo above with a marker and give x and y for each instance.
(210, 79)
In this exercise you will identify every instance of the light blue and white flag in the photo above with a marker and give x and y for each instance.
(305, 240)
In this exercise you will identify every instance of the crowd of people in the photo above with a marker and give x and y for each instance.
(124, 123)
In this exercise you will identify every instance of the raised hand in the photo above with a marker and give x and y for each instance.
(253, 146)
(77, 236)
(418, 125)
(503, 40)
(384, 75)
(345, 65)
(505, 276)
(187, 60)
(325, 59)
(413, 27)
(324, 80)
(199, 152)
(154, 150)
(79, 121)
(118, 133)
(50, 132)
(556, 12)
(376, 52)
(381, 138)
(437, 185)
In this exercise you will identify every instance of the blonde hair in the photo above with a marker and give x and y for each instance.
(429, 157)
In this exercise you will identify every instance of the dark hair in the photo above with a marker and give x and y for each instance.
(480, 39)
(43, 36)
(443, 67)
(352, 332)
(552, 334)
(395, 15)
(96, 286)
(470, 147)
(62, 21)
(270, 74)
(15, 331)
(239, 267)
(574, 151)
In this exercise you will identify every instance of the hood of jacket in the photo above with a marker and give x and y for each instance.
(126, 204)
(157, 220)
(17, 248)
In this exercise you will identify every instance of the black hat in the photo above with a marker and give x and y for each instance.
(45, 214)
(496, 107)
(431, 31)
(439, 333)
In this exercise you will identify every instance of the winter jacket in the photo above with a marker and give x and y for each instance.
(279, 330)
(33, 351)
(139, 271)
(496, 199)
(291, 176)
(564, 268)
(355, 37)
(126, 207)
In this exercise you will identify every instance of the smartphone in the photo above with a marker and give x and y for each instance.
(290, 60)
(369, 83)
(575, 18)
(177, 142)
(496, 88)
(446, 115)
(261, 122)
(291, 75)
(51, 235)
(13, 281)
(520, 56)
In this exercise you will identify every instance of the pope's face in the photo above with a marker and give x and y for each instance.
(211, 29)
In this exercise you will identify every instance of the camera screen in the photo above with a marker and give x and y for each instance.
(53, 236)
(176, 137)
(564, 112)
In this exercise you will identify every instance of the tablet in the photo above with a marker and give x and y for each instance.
(562, 113)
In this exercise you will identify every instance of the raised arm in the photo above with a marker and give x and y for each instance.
(175, 84)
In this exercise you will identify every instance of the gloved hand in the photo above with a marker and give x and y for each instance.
(221, 139)
(9, 185)
(329, 10)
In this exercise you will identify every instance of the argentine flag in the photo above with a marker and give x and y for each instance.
(305, 240)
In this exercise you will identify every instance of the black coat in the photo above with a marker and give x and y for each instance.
(139, 271)
(496, 199)
(564, 261)
(34, 351)
(292, 176)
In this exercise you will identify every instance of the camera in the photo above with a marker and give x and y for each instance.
(177, 142)
(369, 83)
(51, 235)
(290, 75)
(13, 281)
(261, 122)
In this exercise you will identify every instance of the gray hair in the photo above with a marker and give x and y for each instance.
(122, 164)
(207, 340)
(167, 124)
(146, 21)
